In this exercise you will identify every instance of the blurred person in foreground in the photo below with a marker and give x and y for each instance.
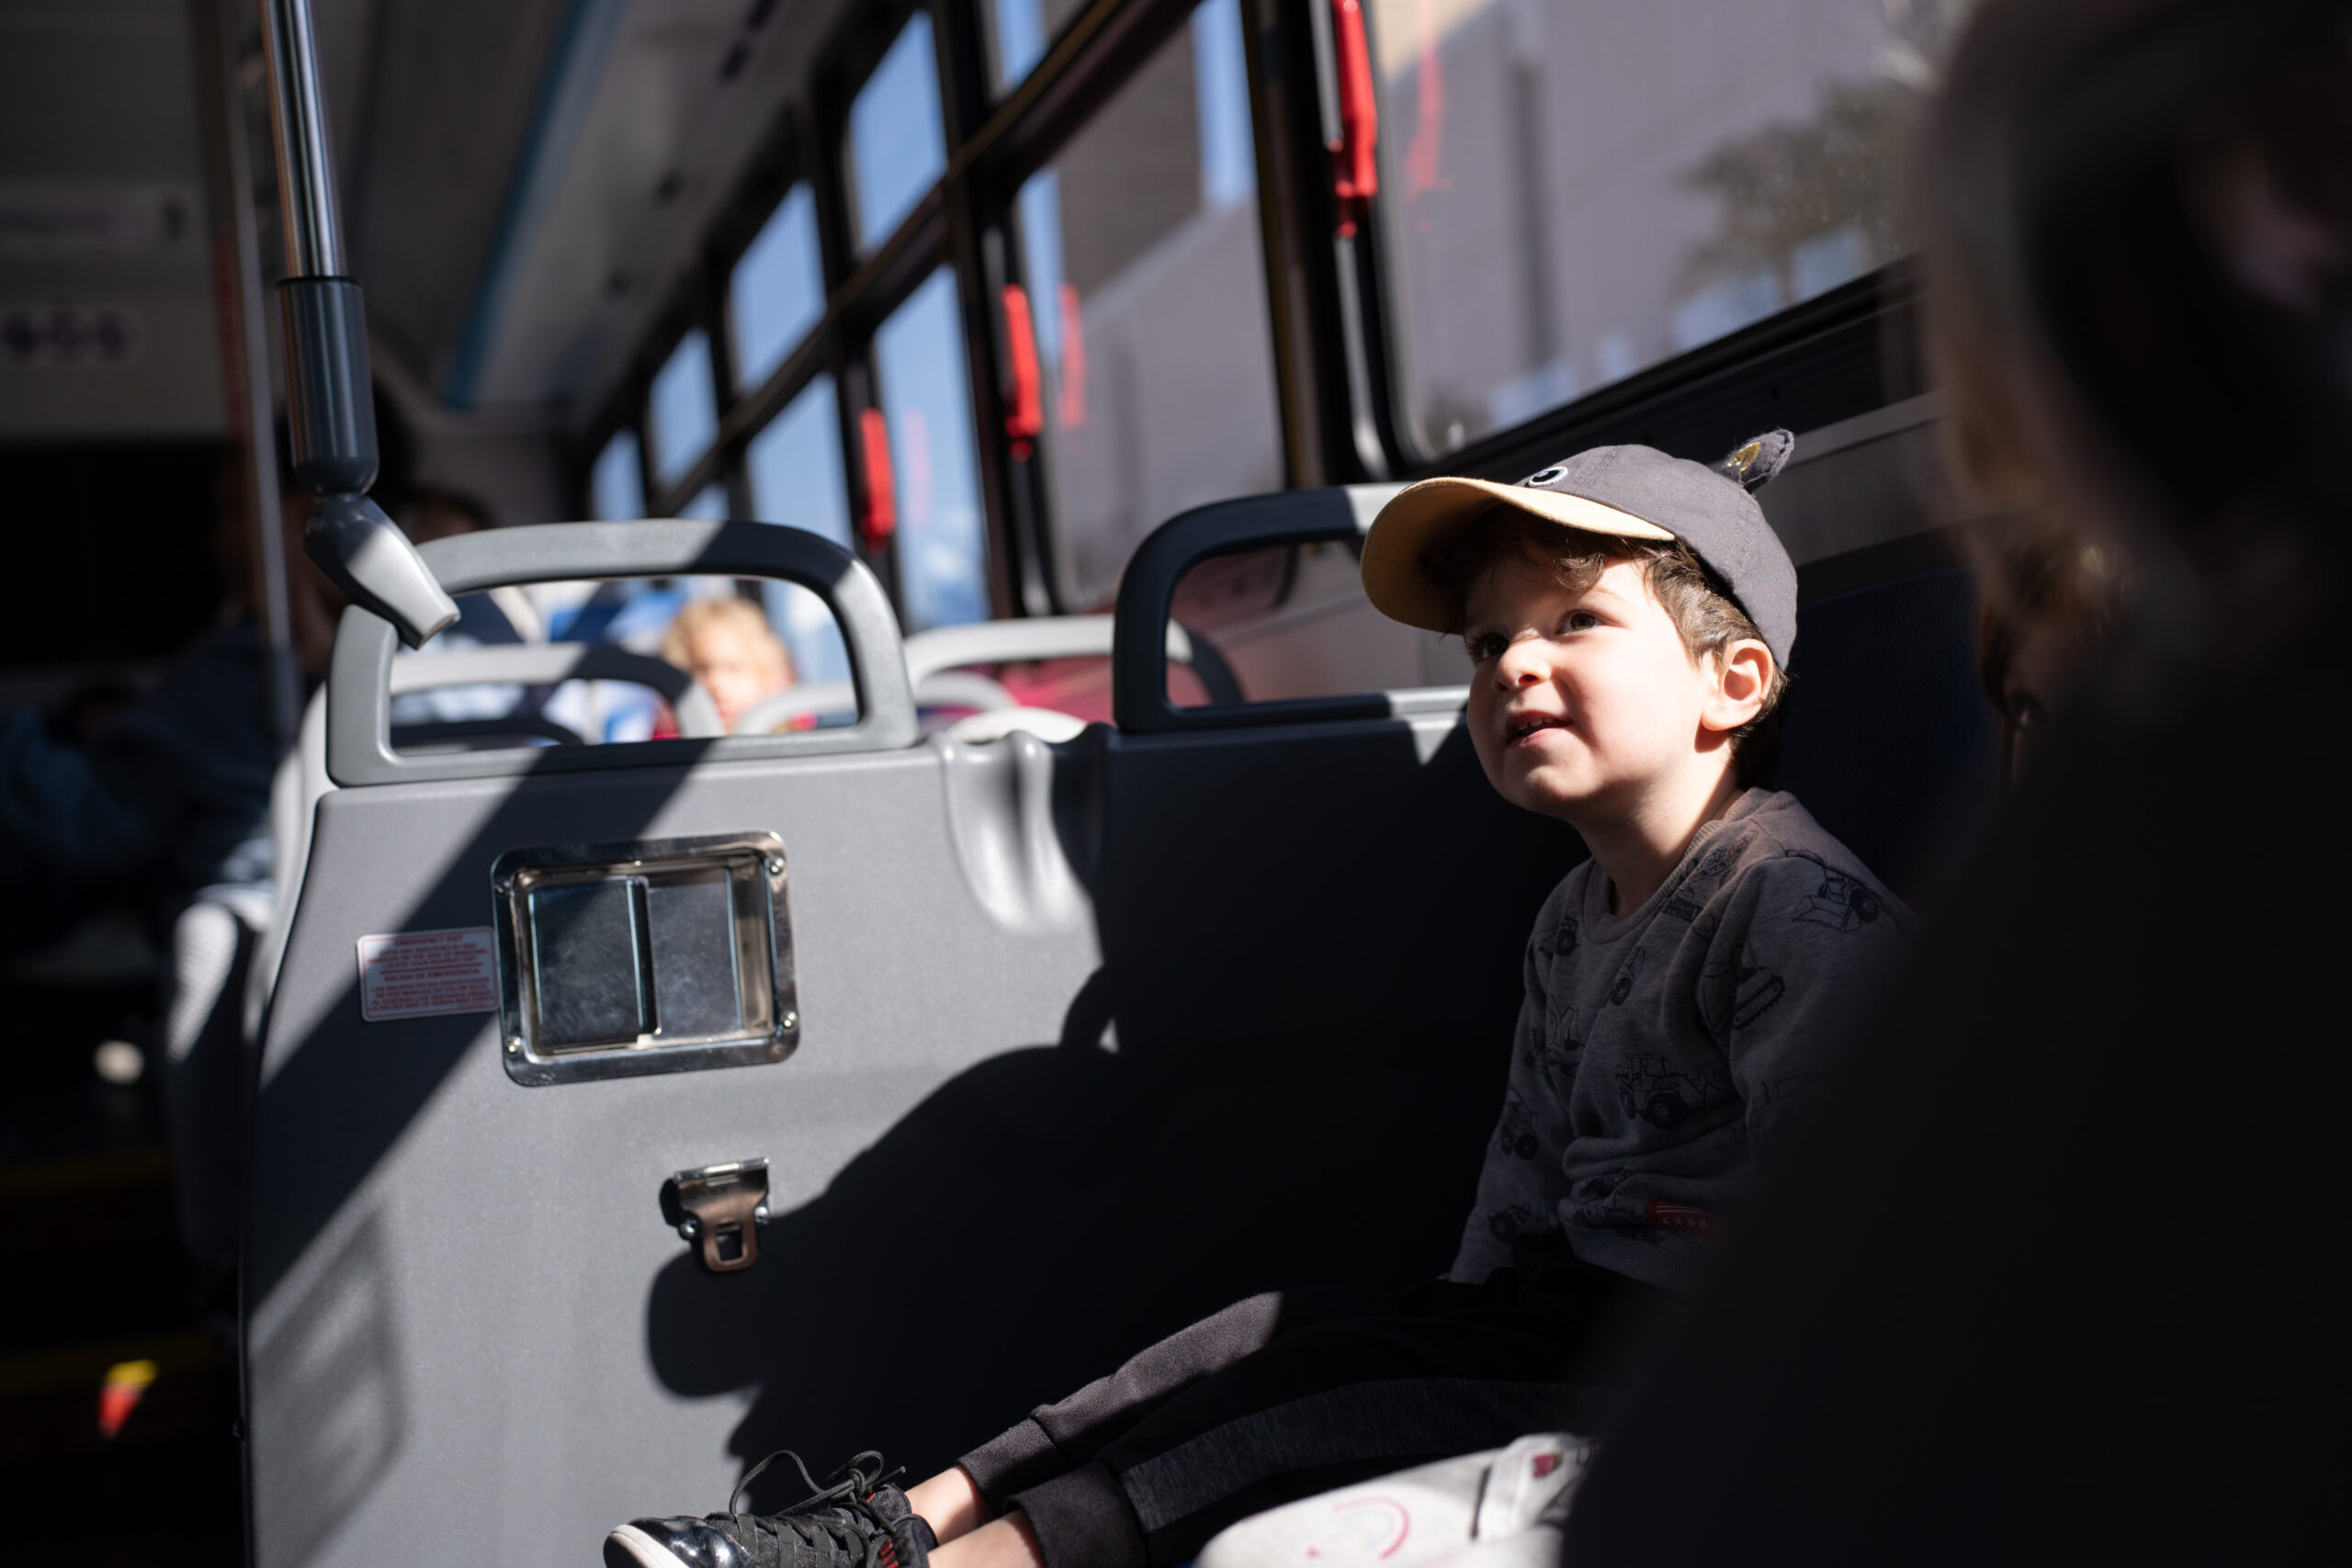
(2084, 1298)
(727, 645)
(163, 809)
(2043, 606)
(170, 793)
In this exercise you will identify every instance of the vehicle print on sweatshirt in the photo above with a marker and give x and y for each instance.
(1547, 1055)
(1734, 994)
(1842, 902)
(1515, 1134)
(1600, 1186)
(1508, 1224)
(1665, 1094)
(1562, 937)
(1623, 986)
(1706, 878)
(1594, 1203)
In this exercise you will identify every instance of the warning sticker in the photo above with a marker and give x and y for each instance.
(421, 974)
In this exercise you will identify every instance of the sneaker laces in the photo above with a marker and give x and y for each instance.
(839, 1515)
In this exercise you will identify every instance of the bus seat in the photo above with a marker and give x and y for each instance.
(213, 944)
(995, 724)
(1040, 637)
(1886, 736)
(1092, 1037)
(551, 663)
(424, 1225)
(294, 792)
(940, 661)
(302, 777)
(816, 704)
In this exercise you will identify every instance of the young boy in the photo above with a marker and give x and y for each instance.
(1629, 616)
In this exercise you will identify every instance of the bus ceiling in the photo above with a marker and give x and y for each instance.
(949, 265)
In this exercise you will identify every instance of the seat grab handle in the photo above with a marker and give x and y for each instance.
(359, 750)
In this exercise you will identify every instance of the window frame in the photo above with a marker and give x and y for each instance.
(1336, 339)
(964, 222)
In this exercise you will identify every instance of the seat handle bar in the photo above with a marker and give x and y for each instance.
(1148, 595)
(359, 750)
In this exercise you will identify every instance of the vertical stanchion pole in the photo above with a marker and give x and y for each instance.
(244, 339)
(305, 174)
(329, 402)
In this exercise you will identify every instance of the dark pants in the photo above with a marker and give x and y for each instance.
(1294, 1393)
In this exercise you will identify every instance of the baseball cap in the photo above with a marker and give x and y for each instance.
(1632, 492)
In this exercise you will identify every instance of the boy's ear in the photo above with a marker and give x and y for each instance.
(1743, 676)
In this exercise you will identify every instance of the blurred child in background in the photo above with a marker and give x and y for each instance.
(728, 646)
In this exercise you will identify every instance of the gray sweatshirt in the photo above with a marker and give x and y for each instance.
(1657, 1050)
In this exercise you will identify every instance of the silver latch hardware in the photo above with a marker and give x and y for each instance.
(720, 1208)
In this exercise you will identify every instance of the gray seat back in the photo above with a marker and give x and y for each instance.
(935, 660)
(301, 776)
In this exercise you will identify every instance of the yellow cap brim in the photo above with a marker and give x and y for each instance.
(1422, 517)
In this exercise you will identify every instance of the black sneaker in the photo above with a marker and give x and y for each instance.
(856, 1519)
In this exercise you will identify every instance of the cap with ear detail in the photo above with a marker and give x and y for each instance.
(1630, 492)
(1755, 461)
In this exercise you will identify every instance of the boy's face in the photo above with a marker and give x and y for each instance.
(1584, 705)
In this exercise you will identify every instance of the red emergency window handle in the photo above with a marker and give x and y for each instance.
(1356, 153)
(1072, 367)
(1025, 419)
(881, 519)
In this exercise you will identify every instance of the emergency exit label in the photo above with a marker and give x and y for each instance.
(422, 973)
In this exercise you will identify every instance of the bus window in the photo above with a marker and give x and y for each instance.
(897, 144)
(796, 472)
(1575, 189)
(708, 504)
(682, 415)
(942, 539)
(616, 483)
(1145, 291)
(776, 292)
(1018, 33)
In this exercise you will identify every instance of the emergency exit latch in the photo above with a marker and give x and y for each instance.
(720, 1208)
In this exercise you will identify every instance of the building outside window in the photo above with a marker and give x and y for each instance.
(1573, 190)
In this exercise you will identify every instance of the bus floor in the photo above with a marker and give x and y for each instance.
(118, 1382)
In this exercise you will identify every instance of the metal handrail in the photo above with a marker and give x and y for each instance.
(297, 115)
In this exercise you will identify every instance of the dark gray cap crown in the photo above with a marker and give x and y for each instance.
(1709, 507)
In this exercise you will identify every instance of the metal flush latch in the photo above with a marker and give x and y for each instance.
(721, 1208)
